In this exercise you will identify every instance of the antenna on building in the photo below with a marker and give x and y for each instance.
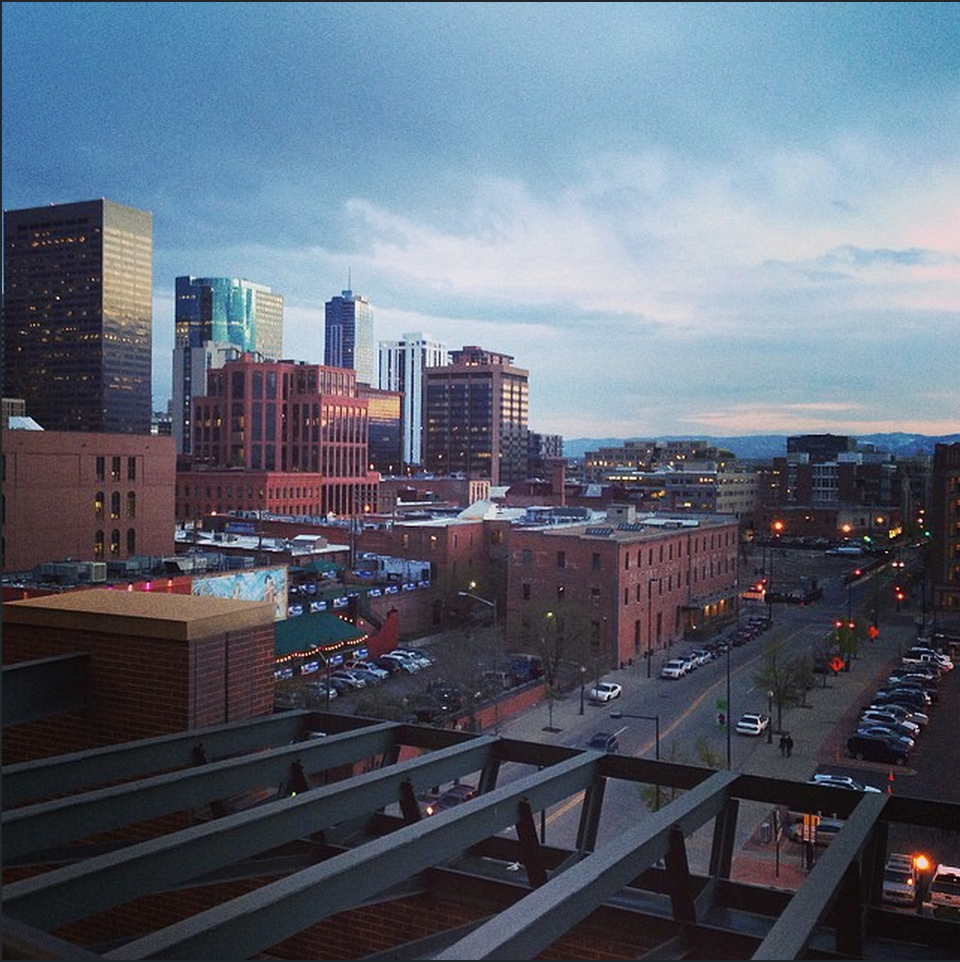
(349, 279)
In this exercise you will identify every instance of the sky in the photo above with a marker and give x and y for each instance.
(682, 219)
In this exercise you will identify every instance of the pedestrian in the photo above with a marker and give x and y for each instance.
(783, 744)
(789, 745)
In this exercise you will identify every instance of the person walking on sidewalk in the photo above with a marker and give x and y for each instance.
(783, 745)
(789, 745)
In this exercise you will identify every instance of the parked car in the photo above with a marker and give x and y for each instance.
(877, 716)
(352, 678)
(370, 666)
(877, 748)
(675, 668)
(456, 795)
(842, 781)
(908, 697)
(318, 693)
(903, 714)
(886, 732)
(917, 683)
(752, 723)
(604, 742)
(690, 663)
(703, 655)
(605, 691)
(899, 880)
(944, 894)
(414, 654)
(401, 663)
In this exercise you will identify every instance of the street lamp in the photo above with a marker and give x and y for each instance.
(656, 720)
(483, 601)
(650, 582)
(583, 672)
(770, 717)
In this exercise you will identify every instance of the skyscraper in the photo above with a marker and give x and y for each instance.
(402, 366)
(348, 336)
(218, 318)
(78, 314)
(475, 417)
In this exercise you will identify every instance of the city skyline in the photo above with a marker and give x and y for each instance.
(681, 219)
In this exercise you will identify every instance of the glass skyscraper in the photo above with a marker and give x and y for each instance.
(78, 315)
(348, 336)
(218, 318)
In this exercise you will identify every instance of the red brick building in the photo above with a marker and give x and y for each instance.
(88, 497)
(147, 664)
(278, 436)
(640, 582)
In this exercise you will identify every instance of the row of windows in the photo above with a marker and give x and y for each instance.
(116, 466)
(100, 546)
(99, 504)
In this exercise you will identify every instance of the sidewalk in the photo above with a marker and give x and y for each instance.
(819, 729)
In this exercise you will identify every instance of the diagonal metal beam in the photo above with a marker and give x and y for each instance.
(528, 927)
(792, 933)
(46, 825)
(78, 771)
(251, 923)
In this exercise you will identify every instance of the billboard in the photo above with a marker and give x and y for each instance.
(259, 584)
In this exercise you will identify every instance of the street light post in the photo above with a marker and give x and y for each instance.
(770, 716)
(728, 719)
(496, 642)
(656, 720)
(650, 582)
(583, 672)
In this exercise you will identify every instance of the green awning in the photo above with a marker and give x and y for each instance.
(308, 631)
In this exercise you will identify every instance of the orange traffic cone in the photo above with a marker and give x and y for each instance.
(890, 782)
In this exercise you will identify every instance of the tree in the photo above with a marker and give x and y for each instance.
(847, 636)
(783, 678)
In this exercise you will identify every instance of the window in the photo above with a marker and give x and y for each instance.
(115, 543)
(561, 592)
(131, 504)
(526, 591)
(131, 469)
(101, 468)
(131, 542)
(595, 561)
(561, 559)
(526, 558)
(115, 469)
(595, 597)
(98, 545)
(98, 504)
(115, 504)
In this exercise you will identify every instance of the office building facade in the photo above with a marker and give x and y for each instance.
(281, 436)
(348, 336)
(402, 366)
(476, 417)
(217, 318)
(78, 315)
(86, 497)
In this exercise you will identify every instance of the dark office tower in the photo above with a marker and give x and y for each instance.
(77, 315)
(475, 417)
(348, 336)
(217, 319)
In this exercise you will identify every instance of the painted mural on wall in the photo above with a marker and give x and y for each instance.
(260, 584)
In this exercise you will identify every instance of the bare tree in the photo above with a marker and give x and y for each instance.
(781, 677)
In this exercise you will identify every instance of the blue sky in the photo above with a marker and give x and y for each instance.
(680, 218)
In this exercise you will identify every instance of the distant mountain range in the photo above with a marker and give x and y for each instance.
(765, 446)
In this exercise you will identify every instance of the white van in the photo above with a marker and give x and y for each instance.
(943, 899)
